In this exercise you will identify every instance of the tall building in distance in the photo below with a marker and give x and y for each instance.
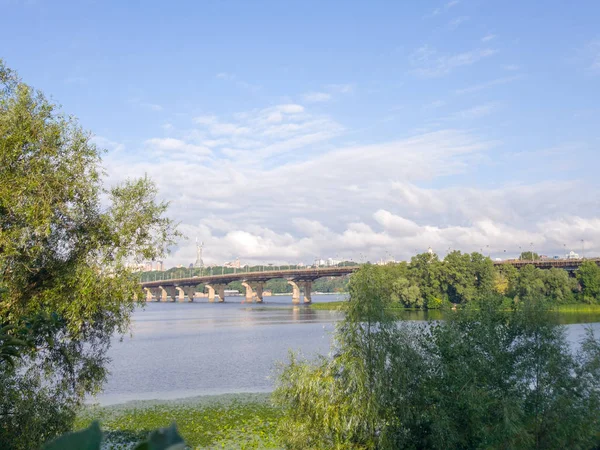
(160, 266)
(199, 263)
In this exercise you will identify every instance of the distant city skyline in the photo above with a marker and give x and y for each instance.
(287, 131)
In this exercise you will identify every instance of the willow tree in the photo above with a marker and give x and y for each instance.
(67, 245)
(482, 378)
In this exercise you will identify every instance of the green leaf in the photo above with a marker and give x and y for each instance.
(87, 439)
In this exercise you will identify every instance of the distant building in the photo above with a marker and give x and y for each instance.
(148, 266)
(233, 264)
(572, 255)
(160, 266)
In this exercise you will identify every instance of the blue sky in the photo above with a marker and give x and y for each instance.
(283, 131)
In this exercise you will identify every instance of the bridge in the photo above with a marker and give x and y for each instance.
(253, 283)
(300, 280)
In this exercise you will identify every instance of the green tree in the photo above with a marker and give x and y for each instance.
(65, 278)
(406, 293)
(482, 378)
(559, 286)
(530, 282)
(529, 256)
(588, 276)
(506, 278)
(426, 271)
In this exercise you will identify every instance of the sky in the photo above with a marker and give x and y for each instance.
(284, 131)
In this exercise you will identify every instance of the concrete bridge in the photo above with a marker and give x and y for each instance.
(253, 282)
(179, 289)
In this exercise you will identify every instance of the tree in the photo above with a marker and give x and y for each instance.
(426, 271)
(66, 284)
(482, 378)
(588, 276)
(506, 278)
(530, 282)
(529, 256)
(406, 293)
(559, 286)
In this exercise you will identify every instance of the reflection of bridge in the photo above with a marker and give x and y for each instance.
(299, 279)
(253, 282)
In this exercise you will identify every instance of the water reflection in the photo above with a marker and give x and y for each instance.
(186, 349)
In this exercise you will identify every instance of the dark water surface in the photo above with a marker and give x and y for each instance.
(188, 349)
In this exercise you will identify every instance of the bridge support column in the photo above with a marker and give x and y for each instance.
(180, 294)
(295, 292)
(249, 292)
(211, 293)
(307, 286)
(221, 292)
(191, 290)
(161, 294)
(171, 293)
(259, 287)
(148, 294)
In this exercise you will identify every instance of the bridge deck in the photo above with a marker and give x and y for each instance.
(312, 274)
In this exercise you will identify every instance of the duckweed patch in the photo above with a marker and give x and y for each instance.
(247, 422)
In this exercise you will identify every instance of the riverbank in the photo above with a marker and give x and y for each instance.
(231, 421)
(566, 314)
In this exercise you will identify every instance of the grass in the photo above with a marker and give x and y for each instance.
(244, 421)
(566, 314)
(326, 306)
(578, 308)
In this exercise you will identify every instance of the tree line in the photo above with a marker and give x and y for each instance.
(461, 278)
(484, 377)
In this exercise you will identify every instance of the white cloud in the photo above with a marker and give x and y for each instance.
(455, 23)
(488, 37)
(592, 54)
(225, 76)
(151, 106)
(428, 63)
(444, 8)
(239, 83)
(171, 146)
(287, 191)
(314, 97)
(344, 88)
(487, 84)
(107, 144)
(474, 112)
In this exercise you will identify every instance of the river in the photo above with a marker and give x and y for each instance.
(181, 350)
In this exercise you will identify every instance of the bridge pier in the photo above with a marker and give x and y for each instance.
(258, 290)
(171, 293)
(307, 285)
(221, 292)
(219, 289)
(295, 292)
(161, 294)
(148, 294)
(249, 292)
(211, 293)
(191, 290)
(180, 294)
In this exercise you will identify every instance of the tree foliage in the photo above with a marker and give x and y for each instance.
(66, 247)
(483, 378)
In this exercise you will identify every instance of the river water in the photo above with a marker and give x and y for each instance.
(187, 349)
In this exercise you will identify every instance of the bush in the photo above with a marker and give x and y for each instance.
(483, 378)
